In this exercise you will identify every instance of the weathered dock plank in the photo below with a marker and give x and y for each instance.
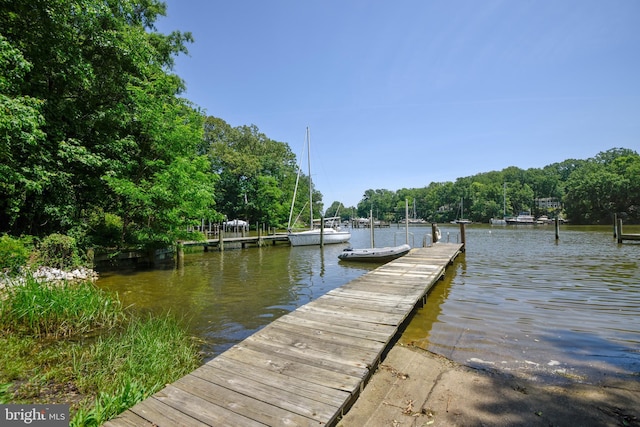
(371, 331)
(324, 354)
(243, 398)
(262, 356)
(307, 367)
(128, 419)
(193, 400)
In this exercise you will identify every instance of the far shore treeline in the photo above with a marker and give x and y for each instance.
(97, 143)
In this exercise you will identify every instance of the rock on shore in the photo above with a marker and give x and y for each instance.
(50, 275)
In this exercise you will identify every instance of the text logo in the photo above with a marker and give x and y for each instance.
(34, 415)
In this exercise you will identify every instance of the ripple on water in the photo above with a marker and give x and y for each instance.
(520, 301)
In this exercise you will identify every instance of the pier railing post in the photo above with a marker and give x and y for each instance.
(619, 230)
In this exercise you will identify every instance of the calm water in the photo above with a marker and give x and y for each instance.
(517, 300)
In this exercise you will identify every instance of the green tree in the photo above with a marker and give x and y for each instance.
(337, 208)
(604, 185)
(257, 174)
(21, 174)
(113, 126)
(588, 199)
(382, 202)
(592, 190)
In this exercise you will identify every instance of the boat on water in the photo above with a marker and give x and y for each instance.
(503, 220)
(523, 218)
(461, 220)
(314, 236)
(544, 219)
(414, 219)
(374, 254)
(380, 255)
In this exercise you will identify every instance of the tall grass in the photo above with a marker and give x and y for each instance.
(130, 366)
(57, 310)
(148, 351)
(127, 359)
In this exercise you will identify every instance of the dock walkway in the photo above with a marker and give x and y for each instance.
(243, 240)
(307, 367)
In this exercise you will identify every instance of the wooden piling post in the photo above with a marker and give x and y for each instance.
(179, 254)
(615, 225)
(462, 236)
(557, 224)
(619, 230)
(221, 241)
(406, 220)
(434, 232)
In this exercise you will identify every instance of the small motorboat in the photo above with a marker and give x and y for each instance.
(380, 255)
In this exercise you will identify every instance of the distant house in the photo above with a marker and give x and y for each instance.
(548, 203)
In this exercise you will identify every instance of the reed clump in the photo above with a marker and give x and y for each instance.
(56, 310)
(74, 343)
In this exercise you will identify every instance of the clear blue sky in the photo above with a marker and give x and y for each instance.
(399, 94)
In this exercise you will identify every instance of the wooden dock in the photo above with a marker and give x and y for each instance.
(622, 236)
(242, 240)
(307, 367)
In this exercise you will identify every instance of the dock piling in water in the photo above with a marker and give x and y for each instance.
(622, 236)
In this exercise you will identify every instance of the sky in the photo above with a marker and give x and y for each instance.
(405, 93)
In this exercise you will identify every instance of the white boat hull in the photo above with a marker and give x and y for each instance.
(312, 237)
(375, 254)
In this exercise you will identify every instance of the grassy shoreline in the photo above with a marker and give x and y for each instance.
(74, 343)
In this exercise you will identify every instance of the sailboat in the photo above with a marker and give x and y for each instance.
(503, 221)
(461, 220)
(314, 236)
(415, 219)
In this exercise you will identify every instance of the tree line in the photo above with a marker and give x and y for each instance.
(587, 191)
(98, 143)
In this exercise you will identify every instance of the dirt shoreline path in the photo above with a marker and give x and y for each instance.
(413, 387)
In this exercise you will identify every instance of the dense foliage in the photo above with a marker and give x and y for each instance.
(92, 130)
(96, 143)
(257, 175)
(589, 192)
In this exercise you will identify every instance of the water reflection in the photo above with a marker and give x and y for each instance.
(517, 300)
(227, 296)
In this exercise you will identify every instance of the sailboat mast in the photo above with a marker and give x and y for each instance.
(310, 185)
(504, 199)
(295, 189)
